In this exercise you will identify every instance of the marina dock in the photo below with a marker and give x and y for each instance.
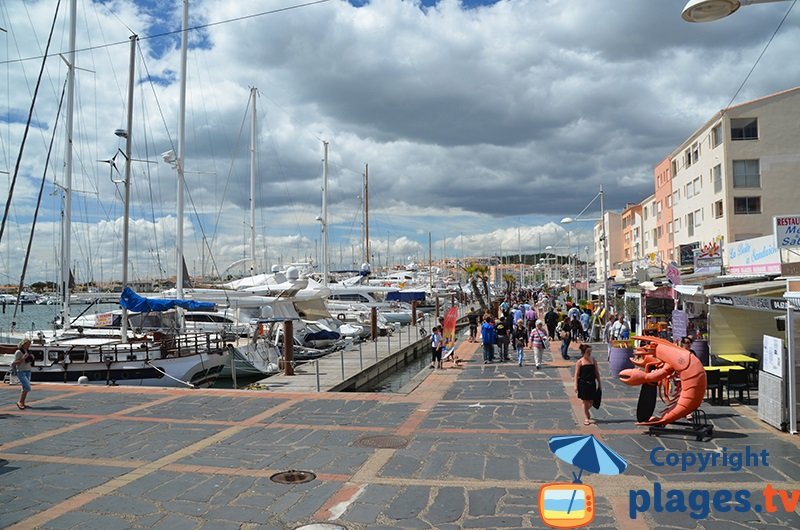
(355, 367)
(466, 448)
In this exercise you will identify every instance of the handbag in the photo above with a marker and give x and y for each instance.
(564, 334)
(598, 397)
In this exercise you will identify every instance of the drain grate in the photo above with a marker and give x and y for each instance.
(382, 441)
(293, 476)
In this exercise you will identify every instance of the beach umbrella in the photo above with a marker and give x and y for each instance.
(587, 453)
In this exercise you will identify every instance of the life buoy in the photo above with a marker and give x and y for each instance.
(341, 316)
(260, 330)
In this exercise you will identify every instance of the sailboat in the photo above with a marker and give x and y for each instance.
(156, 351)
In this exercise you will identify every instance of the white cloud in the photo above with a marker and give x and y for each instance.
(473, 121)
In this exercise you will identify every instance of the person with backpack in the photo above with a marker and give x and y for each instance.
(564, 332)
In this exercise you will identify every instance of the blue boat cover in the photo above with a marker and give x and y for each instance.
(134, 302)
(406, 296)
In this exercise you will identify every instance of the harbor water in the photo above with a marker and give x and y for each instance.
(32, 317)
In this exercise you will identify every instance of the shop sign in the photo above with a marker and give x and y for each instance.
(687, 253)
(758, 255)
(787, 230)
(750, 302)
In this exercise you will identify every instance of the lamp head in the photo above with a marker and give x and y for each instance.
(709, 10)
(169, 156)
(567, 220)
(122, 133)
(549, 247)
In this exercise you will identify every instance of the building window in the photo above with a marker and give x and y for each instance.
(746, 174)
(716, 135)
(676, 225)
(695, 152)
(674, 168)
(744, 129)
(746, 205)
(687, 158)
(698, 217)
(669, 201)
(689, 190)
(697, 185)
(718, 209)
(645, 213)
(669, 231)
(690, 224)
(716, 177)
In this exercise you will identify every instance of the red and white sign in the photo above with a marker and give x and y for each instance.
(787, 230)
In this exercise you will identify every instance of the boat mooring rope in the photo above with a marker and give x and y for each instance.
(190, 385)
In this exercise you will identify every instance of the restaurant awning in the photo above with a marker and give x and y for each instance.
(776, 288)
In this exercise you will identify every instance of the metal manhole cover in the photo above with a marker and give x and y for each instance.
(321, 526)
(293, 477)
(382, 441)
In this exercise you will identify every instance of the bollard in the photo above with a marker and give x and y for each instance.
(316, 369)
(233, 364)
(341, 356)
(288, 348)
(373, 323)
(360, 357)
(376, 350)
(389, 342)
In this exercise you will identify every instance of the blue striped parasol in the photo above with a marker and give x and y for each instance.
(587, 453)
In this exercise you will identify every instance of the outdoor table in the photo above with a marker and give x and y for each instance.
(723, 369)
(749, 363)
(737, 358)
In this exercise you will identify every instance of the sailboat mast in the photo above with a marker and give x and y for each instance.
(325, 215)
(126, 206)
(366, 214)
(66, 256)
(253, 132)
(181, 152)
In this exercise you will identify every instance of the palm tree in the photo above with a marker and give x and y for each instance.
(474, 272)
(511, 281)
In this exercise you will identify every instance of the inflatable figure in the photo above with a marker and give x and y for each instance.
(662, 362)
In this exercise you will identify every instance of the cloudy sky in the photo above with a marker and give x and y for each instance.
(483, 123)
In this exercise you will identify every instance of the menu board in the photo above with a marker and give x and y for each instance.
(680, 323)
(773, 356)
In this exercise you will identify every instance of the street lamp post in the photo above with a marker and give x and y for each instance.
(603, 242)
(709, 10)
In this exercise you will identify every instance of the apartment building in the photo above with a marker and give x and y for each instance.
(613, 243)
(632, 248)
(649, 227)
(731, 176)
(664, 220)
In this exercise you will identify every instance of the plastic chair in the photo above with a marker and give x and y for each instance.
(738, 380)
(714, 384)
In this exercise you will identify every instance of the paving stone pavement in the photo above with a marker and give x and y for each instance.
(467, 449)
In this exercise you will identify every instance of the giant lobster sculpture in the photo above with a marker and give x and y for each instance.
(664, 364)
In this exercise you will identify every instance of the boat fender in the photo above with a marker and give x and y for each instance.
(341, 316)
